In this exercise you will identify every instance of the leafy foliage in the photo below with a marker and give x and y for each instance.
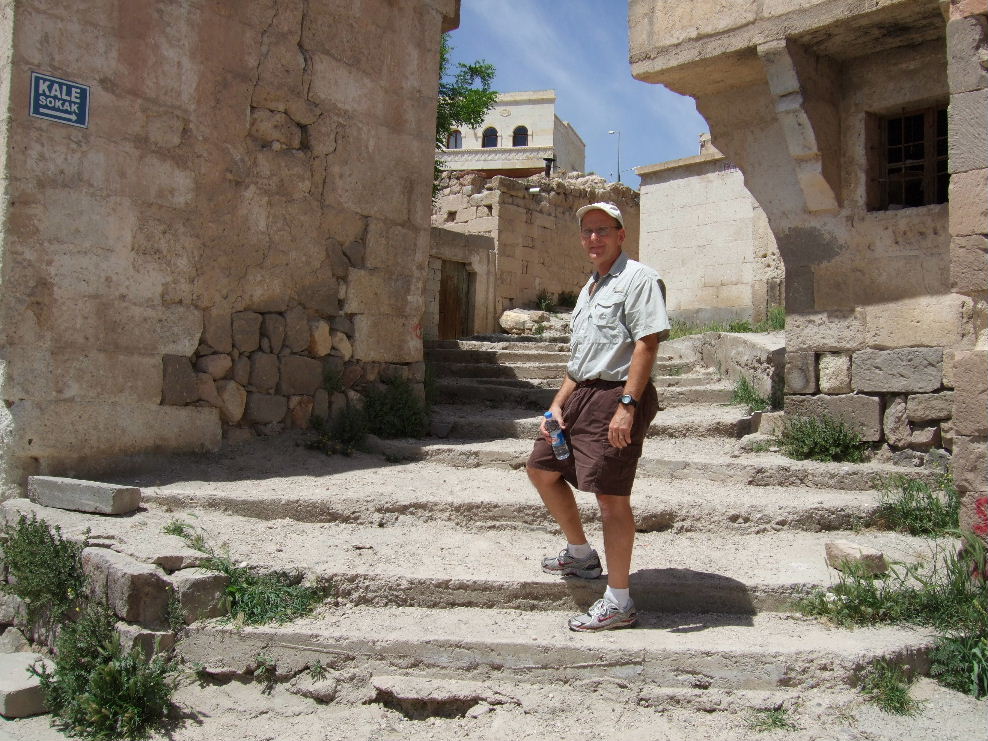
(886, 686)
(914, 506)
(544, 300)
(821, 438)
(961, 663)
(394, 409)
(98, 690)
(747, 395)
(465, 97)
(46, 568)
(344, 433)
(567, 299)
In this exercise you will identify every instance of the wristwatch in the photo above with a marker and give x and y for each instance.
(629, 400)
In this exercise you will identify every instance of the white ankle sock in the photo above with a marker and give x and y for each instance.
(620, 597)
(579, 551)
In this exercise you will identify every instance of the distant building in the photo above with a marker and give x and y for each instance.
(520, 132)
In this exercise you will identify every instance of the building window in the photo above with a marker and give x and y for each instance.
(454, 140)
(520, 137)
(490, 137)
(908, 155)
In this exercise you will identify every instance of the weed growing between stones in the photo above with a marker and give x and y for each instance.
(886, 686)
(46, 569)
(265, 672)
(99, 691)
(775, 322)
(747, 395)
(915, 507)
(948, 595)
(344, 434)
(255, 598)
(821, 438)
(566, 299)
(539, 330)
(771, 720)
(543, 300)
(395, 410)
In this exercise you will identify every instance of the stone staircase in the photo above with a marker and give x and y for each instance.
(432, 558)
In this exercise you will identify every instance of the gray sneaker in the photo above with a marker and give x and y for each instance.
(604, 615)
(565, 564)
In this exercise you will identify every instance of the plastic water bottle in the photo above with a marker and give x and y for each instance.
(559, 447)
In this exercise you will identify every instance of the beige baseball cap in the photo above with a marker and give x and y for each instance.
(608, 208)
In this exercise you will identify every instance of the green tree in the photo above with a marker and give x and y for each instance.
(464, 98)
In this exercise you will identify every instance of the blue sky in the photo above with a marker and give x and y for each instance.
(579, 48)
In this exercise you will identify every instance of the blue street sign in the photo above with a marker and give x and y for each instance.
(59, 100)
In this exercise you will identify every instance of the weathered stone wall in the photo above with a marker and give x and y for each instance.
(244, 167)
(536, 235)
(708, 237)
(886, 309)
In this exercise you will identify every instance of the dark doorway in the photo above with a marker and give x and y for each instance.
(454, 295)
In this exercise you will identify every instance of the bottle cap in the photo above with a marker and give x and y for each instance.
(547, 415)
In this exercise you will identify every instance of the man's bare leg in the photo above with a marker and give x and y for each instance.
(619, 538)
(559, 500)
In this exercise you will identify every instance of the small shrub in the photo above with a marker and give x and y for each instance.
(739, 326)
(539, 329)
(317, 671)
(747, 395)
(776, 320)
(771, 720)
(544, 300)
(344, 434)
(396, 410)
(961, 663)
(97, 690)
(886, 686)
(265, 672)
(46, 568)
(567, 299)
(913, 506)
(822, 438)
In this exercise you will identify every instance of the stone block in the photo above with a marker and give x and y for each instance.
(207, 389)
(12, 609)
(968, 205)
(965, 38)
(947, 434)
(895, 424)
(233, 400)
(170, 552)
(241, 370)
(320, 338)
(974, 512)
(320, 404)
(218, 366)
(862, 413)
(148, 642)
(930, 407)
(971, 392)
(135, 592)
(967, 145)
(970, 463)
(300, 411)
(12, 641)
(341, 345)
(265, 408)
(264, 371)
(273, 327)
(388, 338)
(925, 438)
(300, 375)
(948, 368)
(274, 129)
(202, 593)
(83, 496)
(296, 329)
(835, 373)
(843, 552)
(931, 321)
(20, 691)
(907, 370)
(217, 330)
(832, 331)
(178, 381)
(969, 264)
(246, 327)
(342, 324)
(322, 295)
(800, 372)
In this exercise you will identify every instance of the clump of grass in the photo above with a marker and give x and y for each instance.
(99, 691)
(775, 321)
(567, 299)
(191, 535)
(763, 721)
(747, 395)
(886, 686)
(543, 300)
(344, 433)
(820, 438)
(910, 505)
(961, 663)
(395, 410)
(46, 569)
(539, 329)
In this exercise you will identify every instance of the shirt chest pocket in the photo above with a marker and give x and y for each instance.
(606, 317)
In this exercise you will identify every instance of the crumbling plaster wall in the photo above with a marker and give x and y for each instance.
(247, 166)
(536, 235)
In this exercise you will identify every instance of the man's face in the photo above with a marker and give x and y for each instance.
(602, 249)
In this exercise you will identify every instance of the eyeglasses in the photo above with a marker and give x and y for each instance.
(600, 231)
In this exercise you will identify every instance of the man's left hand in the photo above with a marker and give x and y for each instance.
(619, 431)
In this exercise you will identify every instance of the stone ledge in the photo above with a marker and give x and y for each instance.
(78, 495)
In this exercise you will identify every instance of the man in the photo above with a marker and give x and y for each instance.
(605, 406)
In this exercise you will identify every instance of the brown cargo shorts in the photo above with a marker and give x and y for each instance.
(595, 465)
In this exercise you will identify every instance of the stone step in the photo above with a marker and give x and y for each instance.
(497, 357)
(696, 420)
(712, 652)
(525, 371)
(535, 395)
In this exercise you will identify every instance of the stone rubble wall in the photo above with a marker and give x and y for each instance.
(536, 235)
(266, 159)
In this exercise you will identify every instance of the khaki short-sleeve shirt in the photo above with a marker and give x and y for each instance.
(626, 306)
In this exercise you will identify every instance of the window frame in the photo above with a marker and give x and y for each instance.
(889, 166)
(484, 137)
(454, 140)
(515, 135)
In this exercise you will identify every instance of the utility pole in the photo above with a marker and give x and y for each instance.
(618, 153)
